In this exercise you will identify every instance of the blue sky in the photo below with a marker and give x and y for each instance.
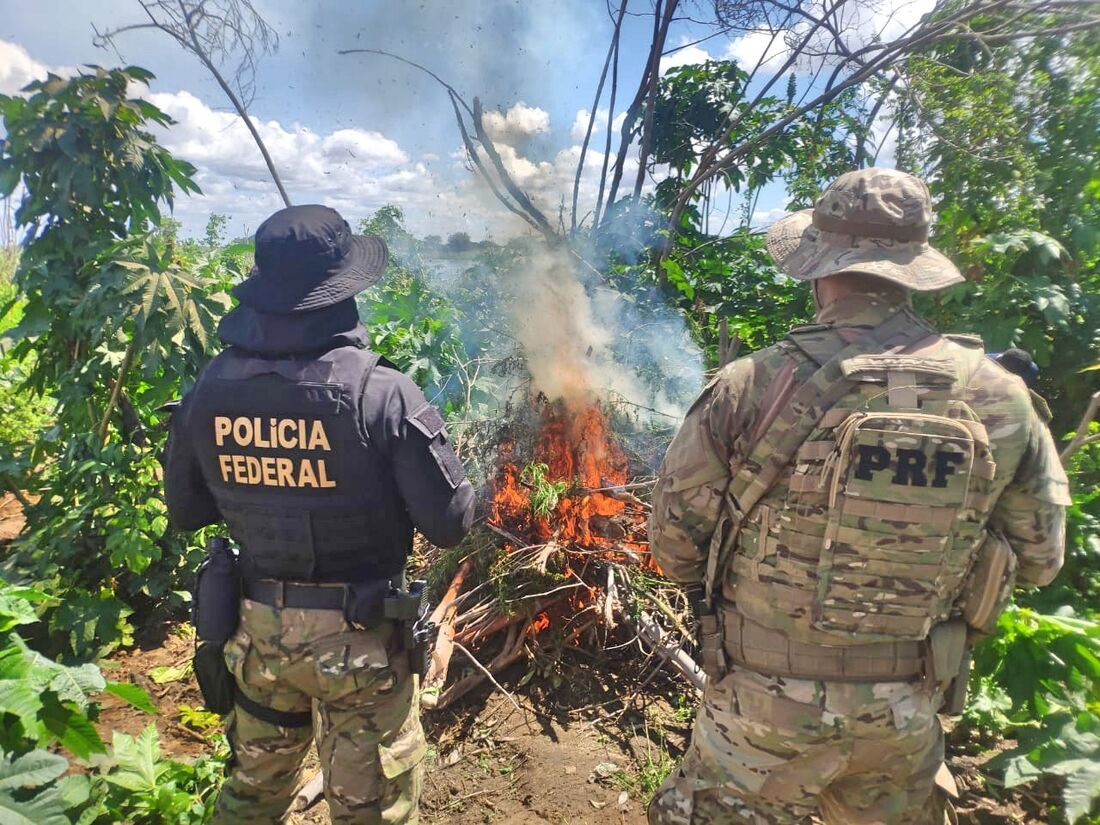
(361, 131)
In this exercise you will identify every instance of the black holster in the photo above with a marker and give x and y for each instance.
(215, 613)
(410, 609)
(709, 632)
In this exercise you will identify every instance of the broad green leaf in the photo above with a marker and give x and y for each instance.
(32, 770)
(1020, 770)
(47, 808)
(1082, 790)
(76, 684)
(137, 760)
(15, 611)
(132, 694)
(22, 700)
(74, 790)
(164, 674)
(71, 729)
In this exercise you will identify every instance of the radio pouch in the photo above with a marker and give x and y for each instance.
(988, 589)
(216, 602)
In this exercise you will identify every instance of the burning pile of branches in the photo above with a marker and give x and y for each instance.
(562, 559)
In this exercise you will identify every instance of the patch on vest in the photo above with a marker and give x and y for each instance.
(930, 370)
(898, 459)
(427, 420)
(908, 466)
(277, 435)
(430, 424)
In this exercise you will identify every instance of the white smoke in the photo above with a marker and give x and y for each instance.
(584, 342)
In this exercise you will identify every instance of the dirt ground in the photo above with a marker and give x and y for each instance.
(588, 750)
(587, 743)
(11, 518)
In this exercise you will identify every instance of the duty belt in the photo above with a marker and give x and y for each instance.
(364, 604)
(770, 652)
(304, 595)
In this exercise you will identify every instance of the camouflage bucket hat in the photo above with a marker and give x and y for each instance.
(873, 221)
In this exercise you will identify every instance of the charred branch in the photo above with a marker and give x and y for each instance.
(500, 181)
(518, 194)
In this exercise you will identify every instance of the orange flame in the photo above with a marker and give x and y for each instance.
(579, 449)
(541, 622)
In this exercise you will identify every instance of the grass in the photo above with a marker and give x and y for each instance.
(650, 770)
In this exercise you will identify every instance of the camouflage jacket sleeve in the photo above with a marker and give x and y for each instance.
(1031, 512)
(693, 478)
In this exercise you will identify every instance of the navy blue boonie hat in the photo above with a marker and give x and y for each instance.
(307, 258)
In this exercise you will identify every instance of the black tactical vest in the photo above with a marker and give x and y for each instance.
(300, 485)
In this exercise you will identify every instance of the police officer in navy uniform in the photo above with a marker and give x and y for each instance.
(321, 458)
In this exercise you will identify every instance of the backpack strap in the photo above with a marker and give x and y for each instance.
(792, 425)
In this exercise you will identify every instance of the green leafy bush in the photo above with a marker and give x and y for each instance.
(139, 785)
(116, 314)
(1038, 680)
(46, 704)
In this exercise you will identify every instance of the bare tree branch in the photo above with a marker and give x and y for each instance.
(518, 203)
(612, 48)
(520, 196)
(214, 31)
(660, 34)
(825, 43)
(610, 122)
(1082, 436)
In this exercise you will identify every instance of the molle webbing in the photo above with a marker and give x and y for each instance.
(770, 651)
(782, 437)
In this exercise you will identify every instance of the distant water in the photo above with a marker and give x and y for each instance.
(447, 268)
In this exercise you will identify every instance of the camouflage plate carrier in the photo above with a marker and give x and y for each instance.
(851, 528)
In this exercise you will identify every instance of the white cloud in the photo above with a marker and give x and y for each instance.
(758, 47)
(766, 217)
(519, 123)
(580, 123)
(18, 68)
(685, 56)
(353, 170)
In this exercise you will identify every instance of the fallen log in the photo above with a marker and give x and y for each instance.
(444, 616)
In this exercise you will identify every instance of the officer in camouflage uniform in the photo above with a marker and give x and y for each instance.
(321, 458)
(838, 503)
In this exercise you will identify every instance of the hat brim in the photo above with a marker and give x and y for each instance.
(806, 253)
(363, 266)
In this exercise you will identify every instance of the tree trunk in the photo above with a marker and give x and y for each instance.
(660, 33)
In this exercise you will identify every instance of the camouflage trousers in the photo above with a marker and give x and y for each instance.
(365, 710)
(775, 750)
